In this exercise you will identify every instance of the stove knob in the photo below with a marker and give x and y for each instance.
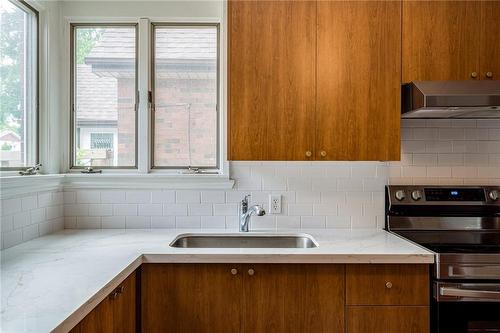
(493, 195)
(400, 195)
(416, 195)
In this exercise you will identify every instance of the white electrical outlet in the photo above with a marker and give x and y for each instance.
(275, 203)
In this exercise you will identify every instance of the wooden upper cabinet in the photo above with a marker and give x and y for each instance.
(358, 80)
(272, 47)
(490, 40)
(441, 39)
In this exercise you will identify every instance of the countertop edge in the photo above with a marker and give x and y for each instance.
(67, 324)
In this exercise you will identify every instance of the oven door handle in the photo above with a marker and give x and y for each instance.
(469, 293)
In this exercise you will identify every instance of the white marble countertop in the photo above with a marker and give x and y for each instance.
(52, 282)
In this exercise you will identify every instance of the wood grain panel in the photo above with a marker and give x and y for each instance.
(294, 298)
(387, 319)
(124, 306)
(490, 39)
(99, 320)
(272, 46)
(366, 284)
(190, 298)
(440, 40)
(358, 80)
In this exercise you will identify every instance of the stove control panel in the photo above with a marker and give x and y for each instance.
(439, 195)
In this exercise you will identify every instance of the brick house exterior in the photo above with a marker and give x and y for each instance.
(185, 117)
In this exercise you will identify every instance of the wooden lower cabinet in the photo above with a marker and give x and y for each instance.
(261, 298)
(242, 298)
(115, 314)
(387, 319)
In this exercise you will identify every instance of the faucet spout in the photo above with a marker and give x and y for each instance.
(246, 213)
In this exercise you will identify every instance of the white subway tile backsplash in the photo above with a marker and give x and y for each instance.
(160, 222)
(113, 197)
(21, 220)
(138, 197)
(29, 203)
(54, 212)
(125, 209)
(225, 209)
(208, 222)
(10, 206)
(188, 196)
(213, 197)
(187, 222)
(199, 209)
(314, 194)
(150, 210)
(100, 209)
(85, 197)
(37, 215)
(113, 222)
(137, 222)
(175, 209)
(88, 222)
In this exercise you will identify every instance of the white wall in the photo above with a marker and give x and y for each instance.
(29, 216)
(315, 194)
(448, 152)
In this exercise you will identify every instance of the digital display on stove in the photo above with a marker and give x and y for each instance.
(453, 194)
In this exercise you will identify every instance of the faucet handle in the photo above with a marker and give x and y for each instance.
(245, 199)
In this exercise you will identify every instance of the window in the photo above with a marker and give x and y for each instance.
(104, 95)
(18, 85)
(185, 92)
(183, 100)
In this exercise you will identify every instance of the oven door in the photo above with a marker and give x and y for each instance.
(466, 307)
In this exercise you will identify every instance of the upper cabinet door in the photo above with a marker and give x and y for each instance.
(441, 40)
(272, 47)
(490, 40)
(358, 80)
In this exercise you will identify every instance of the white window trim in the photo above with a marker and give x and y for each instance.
(143, 119)
(32, 138)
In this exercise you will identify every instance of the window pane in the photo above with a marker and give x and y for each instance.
(185, 82)
(18, 85)
(105, 96)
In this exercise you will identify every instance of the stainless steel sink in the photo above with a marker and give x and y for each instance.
(254, 240)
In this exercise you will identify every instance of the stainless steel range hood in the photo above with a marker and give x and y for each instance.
(451, 99)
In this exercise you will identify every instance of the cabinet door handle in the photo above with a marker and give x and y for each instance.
(473, 75)
(489, 75)
(323, 153)
(234, 271)
(309, 153)
(388, 284)
(251, 272)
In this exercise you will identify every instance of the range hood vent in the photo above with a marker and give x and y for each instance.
(451, 99)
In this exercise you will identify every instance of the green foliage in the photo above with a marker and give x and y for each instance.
(11, 68)
(6, 147)
(86, 38)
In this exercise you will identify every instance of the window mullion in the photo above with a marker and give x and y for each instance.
(143, 86)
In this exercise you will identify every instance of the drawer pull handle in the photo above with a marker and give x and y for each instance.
(388, 285)
(251, 272)
(234, 271)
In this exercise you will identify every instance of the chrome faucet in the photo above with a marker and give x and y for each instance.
(246, 213)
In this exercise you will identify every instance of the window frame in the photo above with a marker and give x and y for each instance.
(152, 78)
(72, 93)
(33, 139)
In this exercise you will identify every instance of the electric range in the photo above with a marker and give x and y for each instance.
(461, 225)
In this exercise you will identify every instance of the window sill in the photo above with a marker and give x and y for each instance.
(18, 185)
(147, 181)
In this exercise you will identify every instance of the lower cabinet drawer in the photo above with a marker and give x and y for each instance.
(387, 319)
(387, 284)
